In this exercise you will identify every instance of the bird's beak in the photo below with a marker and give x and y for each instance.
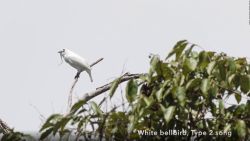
(61, 56)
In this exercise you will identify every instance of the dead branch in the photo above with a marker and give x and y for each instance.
(74, 83)
(4, 127)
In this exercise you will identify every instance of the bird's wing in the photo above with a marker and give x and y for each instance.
(79, 62)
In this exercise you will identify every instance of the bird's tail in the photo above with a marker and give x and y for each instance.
(90, 76)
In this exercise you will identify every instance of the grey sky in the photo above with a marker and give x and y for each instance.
(123, 32)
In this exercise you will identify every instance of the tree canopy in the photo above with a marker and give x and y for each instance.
(183, 96)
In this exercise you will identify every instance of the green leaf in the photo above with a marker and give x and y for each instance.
(248, 107)
(205, 85)
(49, 121)
(181, 80)
(236, 80)
(221, 107)
(148, 100)
(131, 90)
(154, 62)
(237, 97)
(163, 91)
(178, 49)
(46, 133)
(245, 83)
(188, 51)
(241, 61)
(210, 67)
(213, 91)
(180, 94)
(231, 79)
(190, 64)
(77, 105)
(46, 125)
(231, 65)
(200, 125)
(240, 110)
(114, 86)
(167, 72)
(223, 69)
(192, 84)
(95, 108)
(204, 59)
(60, 124)
(159, 94)
(227, 128)
(241, 128)
(194, 54)
(168, 113)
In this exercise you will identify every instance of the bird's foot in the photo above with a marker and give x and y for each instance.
(77, 75)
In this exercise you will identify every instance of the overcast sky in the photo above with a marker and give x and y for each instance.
(123, 32)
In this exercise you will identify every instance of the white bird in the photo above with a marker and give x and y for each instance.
(76, 61)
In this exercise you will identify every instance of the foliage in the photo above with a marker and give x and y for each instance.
(16, 136)
(187, 91)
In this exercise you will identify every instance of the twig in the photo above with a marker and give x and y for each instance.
(74, 83)
(42, 117)
(4, 127)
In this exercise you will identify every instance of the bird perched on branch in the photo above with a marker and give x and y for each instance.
(76, 61)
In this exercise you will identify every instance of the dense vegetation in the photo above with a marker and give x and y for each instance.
(186, 92)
